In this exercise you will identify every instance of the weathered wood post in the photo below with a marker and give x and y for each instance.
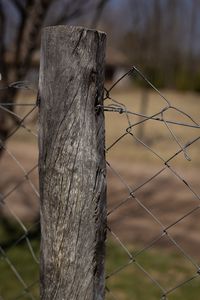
(72, 164)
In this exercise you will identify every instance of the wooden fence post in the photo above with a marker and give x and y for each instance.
(72, 166)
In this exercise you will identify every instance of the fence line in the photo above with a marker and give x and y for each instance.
(22, 231)
(116, 106)
(111, 106)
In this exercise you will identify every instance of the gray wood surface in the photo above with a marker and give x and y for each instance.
(72, 166)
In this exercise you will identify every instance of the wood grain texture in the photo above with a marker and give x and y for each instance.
(72, 166)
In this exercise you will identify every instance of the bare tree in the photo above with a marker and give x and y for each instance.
(162, 37)
(31, 18)
(33, 15)
(193, 33)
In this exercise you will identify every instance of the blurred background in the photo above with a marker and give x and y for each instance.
(162, 39)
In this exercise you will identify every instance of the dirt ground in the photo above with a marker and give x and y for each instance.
(166, 197)
(19, 192)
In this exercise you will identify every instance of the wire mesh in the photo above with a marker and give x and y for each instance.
(142, 229)
(19, 193)
(153, 226)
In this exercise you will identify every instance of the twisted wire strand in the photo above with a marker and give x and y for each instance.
(118, 107)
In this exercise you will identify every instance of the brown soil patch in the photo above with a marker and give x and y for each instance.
(166, 197)
(18, 191)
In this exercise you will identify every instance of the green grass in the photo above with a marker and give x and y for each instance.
(168, 267)
(18, 269)
(22, 260)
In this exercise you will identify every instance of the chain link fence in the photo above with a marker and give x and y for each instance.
(153, 200)
(19, 205)
(154, 211)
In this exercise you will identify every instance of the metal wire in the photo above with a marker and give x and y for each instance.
(16, 118)
(133, 193)
(113, 106)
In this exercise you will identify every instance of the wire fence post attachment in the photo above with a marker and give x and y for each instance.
(72, 165)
